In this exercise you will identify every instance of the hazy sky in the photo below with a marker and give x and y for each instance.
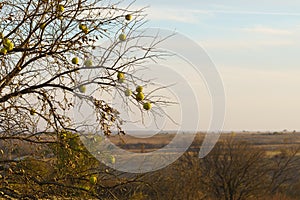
(256, 48)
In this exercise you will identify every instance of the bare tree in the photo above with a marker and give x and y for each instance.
(50, 55)
(234, 171)
(284, 170)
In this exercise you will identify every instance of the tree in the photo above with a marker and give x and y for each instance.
(48, 46)
(50, 57)
(237, 170)
(234, 171)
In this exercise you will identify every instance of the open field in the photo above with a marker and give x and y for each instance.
(271, 142)
(264, 165)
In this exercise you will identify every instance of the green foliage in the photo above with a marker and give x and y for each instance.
(74, 164)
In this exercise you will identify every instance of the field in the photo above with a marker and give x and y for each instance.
(272, 142)
(242, 165)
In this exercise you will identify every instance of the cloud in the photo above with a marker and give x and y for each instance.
(237, 44)
(268, 30)
(175, 14)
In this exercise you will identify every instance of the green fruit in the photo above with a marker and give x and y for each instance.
(32, 111)
(139, 89)
(120, 75)
(128, 92)
(81, 26)
(61, 8)
(6, 41)
(75, 60)
(140, 96)
(112, 159)
(121, 80)
(8, 44)
(128, 17)
(85, 30)
(63, 135)
(82, 89)
(43, 25)
(122, 37)
(93, 180)
(3, 51)
(147, 106)
(88, 63)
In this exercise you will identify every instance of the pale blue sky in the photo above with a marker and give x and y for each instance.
(256, 48)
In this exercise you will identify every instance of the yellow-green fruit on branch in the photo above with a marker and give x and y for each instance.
(140, 96)
(43, 25)
(82, 26)
(8, 44)
(82, 89)
(6, 41)
(121, 80)
(60, 8)
(128, 17)
(122, 37)
(86, 30)
(3, 51)
(32, 111)
(121, 77)
(128, 92)
(139, 88)
(75, 60)
(93, 180)
(112, 159)
(88, 63)
(63, 135)
(147, 106)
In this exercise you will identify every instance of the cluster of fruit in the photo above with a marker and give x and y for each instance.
(8, 45)
(139, 96)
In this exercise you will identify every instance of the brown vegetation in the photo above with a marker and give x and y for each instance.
(234, 170)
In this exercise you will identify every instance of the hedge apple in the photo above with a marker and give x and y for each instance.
(112, 159)
(147, 106)
(93, 180)
(140, 96)
(75, 60)
(81, 26)
(8, 44)
(139, 88)
(128, 92)
(88, 63)
(121, 77)
(128, 17)
(122, 37)
(43, 25)
(61, 8)
(82, 89)
(3, 50)
(32, 111)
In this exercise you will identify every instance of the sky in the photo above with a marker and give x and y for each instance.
(254, 46)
